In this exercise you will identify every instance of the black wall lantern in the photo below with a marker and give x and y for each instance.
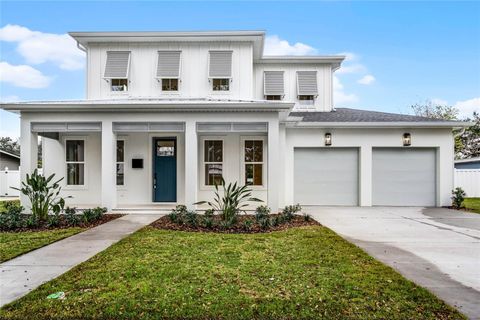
(407, 139)
(328, 139)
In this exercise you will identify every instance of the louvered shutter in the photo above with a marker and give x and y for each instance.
(273, 83)
(117, 65)
(220, 65)
(168, 66)
(307, 83)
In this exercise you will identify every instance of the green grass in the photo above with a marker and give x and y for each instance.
(13, 244)
(2, 208)
(472, 204)
(304, 273)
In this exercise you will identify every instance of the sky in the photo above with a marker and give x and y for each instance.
(398, 53)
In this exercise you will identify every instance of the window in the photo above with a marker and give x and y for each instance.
(169, 84)
(274, 97)
(75, 159)
(120, 168)
(221, 84)
(253, 159)
(213, 158)
(119, 84)
(306, 99)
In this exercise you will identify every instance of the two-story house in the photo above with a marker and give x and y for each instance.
(168, 114)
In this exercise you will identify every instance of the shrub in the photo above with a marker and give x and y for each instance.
(275, 221)
(53, 220)
(43, 194)
(209, 213)
(307, 217)
(262, 212)
(208, 222)
(11, 203)
(247, 225)
(177, 215)
(231, 201)
(173, 216)
(71, 217)
(264, 223)
(92, 215)
(458, 195)
(191, 218)
(12, 218)
(32, 222)
(289, 211)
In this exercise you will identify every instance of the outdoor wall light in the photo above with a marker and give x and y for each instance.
(407, 139)
(328, 139)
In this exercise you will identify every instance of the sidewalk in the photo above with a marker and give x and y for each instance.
(25, 273)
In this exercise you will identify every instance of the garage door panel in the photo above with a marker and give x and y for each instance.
(326, 176)
(404, 177)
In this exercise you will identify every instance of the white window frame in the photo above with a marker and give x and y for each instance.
(221, 91)
(203, 163)
(120, 186)
(85, 172)
(264, 162)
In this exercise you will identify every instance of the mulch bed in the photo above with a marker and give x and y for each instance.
(63, 225)
(460, 209)
(165, 223)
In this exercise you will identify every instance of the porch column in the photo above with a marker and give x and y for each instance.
(365, 176)
(28, 154)
(109, 185)
(191, 164)
(274, 173)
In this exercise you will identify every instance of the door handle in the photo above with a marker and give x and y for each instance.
(155, 181)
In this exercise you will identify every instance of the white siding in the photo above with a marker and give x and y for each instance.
(323, 102)
(194, 70)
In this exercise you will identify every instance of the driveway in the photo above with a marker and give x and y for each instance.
(437, 248)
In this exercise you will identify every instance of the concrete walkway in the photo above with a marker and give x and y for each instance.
(438, 249)
(25, 273)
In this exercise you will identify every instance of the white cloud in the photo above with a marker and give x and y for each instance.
(340, 97)
(9, 98)
(23, 76)
(367, 79)
(467, 107)
(274, 46)
(439, 102)
(38, 47)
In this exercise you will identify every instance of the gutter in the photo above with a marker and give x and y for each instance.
(397, 124)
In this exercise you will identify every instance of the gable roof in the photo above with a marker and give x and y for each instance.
(10, 154)
(363, 118)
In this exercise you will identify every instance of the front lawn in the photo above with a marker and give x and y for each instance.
(307, 272)
(472, 204)
(13, 244)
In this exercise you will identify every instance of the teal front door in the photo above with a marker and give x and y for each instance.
(164, 170)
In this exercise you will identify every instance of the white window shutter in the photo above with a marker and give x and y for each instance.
(273, 83)
(220, 64)
(118, 63)
(168, 66)
(307, 83)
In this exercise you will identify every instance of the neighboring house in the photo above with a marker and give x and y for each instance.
(9, 161)
(167, 114)
(472, 163)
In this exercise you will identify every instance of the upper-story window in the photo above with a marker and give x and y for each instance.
(168, 69)
(220, 70)
(273, 85)
(116, 70)
(307, 88)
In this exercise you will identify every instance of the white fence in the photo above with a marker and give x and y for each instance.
(468, 180)
(8, 179)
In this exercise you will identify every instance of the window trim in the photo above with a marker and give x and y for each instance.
(264, 185)
(120, 186)
(203, 185)
(118, 92)
(220, 91)
(85, 167)
(169, 91)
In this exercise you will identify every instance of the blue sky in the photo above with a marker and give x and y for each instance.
(399, 53)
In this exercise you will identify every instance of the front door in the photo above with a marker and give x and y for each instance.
(164, 170)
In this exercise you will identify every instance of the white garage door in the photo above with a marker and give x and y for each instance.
(404, 177)
(326, 176)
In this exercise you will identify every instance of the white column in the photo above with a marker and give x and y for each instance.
(273, 165)
(365, 176)
(191, 164)
(109, 184)
(282, 162)
(28, 154)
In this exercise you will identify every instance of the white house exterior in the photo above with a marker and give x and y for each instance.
(167, 114)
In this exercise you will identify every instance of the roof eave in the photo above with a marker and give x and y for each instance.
(383, 124)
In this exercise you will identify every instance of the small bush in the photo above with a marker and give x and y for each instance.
(209, 213)
(289, 211)
(182, 209)
(12, 218)
(264, 223)
(208, 222)
(11, 204)
(262, 212)
(32, 222)
(275, 221)
(177, 215)
(53, 220)
(191, 218)
(93, 215)
(307, 217)
(173, 216)
(71, 217)
(458, 195)
(247, 225)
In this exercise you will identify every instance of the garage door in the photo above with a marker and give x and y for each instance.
(404, 177)
(326, 176)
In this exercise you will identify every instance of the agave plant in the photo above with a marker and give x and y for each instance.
(231, 200)
(43, 194)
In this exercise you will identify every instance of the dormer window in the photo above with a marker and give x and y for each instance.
(307, 88)
(220, 70)
(273, 86)
(116, 70)
(168, 69)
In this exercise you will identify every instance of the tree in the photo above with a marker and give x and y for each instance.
(8, 145)
(469, 140)
(434, 110)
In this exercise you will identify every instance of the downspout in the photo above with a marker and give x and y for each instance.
(81, 47)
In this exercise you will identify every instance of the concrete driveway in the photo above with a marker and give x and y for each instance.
(437, 248)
